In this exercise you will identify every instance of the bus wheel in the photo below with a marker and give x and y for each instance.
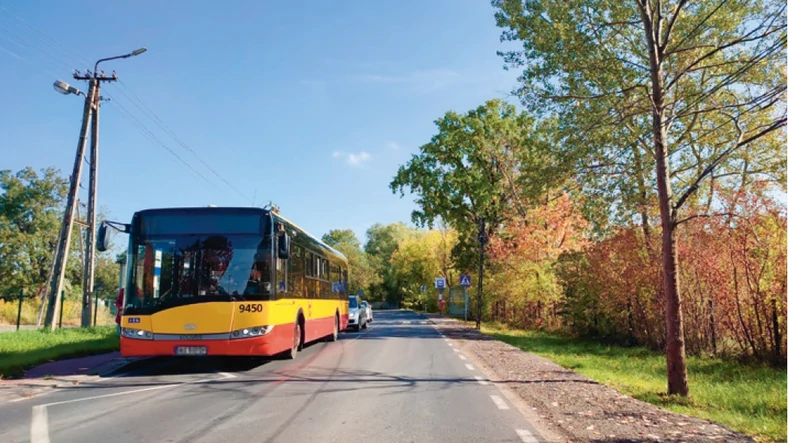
(296, 341)
(335, 334)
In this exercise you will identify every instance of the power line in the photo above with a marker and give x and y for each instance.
(151, 136)
(155, 118)
(17, 37)
(70, 54)
(51, 45)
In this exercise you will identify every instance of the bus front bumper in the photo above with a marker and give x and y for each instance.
(280, 339)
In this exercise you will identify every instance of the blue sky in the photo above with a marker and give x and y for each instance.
(312, 106)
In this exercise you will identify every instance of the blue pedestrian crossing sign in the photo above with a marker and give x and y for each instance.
(465, 280)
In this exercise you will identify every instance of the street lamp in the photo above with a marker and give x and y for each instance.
(133, 53)
(90, 117)
(65, 89)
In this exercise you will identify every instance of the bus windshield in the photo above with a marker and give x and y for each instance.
(172, 270)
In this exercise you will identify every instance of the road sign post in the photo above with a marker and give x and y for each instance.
(465, 282)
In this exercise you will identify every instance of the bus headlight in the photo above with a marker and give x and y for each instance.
(139, 334)
(255, 331)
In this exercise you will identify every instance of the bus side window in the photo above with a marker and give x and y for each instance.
(281, 273)
(296, 273)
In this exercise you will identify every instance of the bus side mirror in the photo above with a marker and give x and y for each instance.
(102, 237)
(284, 246)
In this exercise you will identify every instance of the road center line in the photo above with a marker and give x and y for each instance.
(526, 436)
(481, 380)
(470, 367)
(499, 402)
(39, 425)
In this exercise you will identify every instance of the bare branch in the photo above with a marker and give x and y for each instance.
(743, 39)
(718, 214)
(694, 187)
(695, 29)
(671, 23)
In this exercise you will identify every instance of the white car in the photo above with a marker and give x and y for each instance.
(357, 315)
(365, 304)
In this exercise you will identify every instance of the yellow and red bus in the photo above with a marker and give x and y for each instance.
(227, 281)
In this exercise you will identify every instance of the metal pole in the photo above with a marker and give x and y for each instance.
(481, 275)
(19, 311)
(95, 309)
(64, 242)
(90, 260)
(60, 323)
(466, 301)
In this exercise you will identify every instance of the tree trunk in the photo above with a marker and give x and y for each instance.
(676, 363)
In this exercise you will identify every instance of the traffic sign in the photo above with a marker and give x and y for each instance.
(465, 280)
(423, 288)
(440, 282)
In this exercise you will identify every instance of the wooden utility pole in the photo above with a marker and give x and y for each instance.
(61, 258)
(64, 241)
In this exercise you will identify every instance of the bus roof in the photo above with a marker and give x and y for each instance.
(236, 210)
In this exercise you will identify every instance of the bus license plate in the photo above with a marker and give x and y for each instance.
(191, 350)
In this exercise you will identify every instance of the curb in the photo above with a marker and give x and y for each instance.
(25, 388)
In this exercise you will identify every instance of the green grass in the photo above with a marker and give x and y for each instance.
(24, 349)
(746, 398)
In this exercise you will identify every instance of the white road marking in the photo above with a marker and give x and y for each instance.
(455, 349)
(39, 427)
(450, 344)
(470, 367)
(526, 436)
(406, 322)
(499, 402)
(481, 380)
(462, 357)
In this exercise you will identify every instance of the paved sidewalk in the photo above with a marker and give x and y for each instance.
(61, 374)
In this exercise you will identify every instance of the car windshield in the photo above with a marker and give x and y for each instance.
(353, 302)
(183, 269)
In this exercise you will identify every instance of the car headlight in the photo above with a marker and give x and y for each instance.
(255, 331)
(353, 314)
(139, 334)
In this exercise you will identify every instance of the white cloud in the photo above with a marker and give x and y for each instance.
(394, 146)
(353, 159)
(421, 81)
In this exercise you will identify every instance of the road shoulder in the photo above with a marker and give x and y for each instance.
(579, 407)
(62, 374)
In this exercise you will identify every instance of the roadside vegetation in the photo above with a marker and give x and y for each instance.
(72, 312)
(747, 398)
(24, 349)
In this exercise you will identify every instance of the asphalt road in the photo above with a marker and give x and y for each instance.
(398, 381)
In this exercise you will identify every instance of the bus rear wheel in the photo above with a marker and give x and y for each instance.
(296, 342)
(335, 334)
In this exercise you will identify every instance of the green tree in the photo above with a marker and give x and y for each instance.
(29, 223)
(478, 165)
(418, 260)
(341, 236)
(363, 272)
(699, 87)
(382, 242)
